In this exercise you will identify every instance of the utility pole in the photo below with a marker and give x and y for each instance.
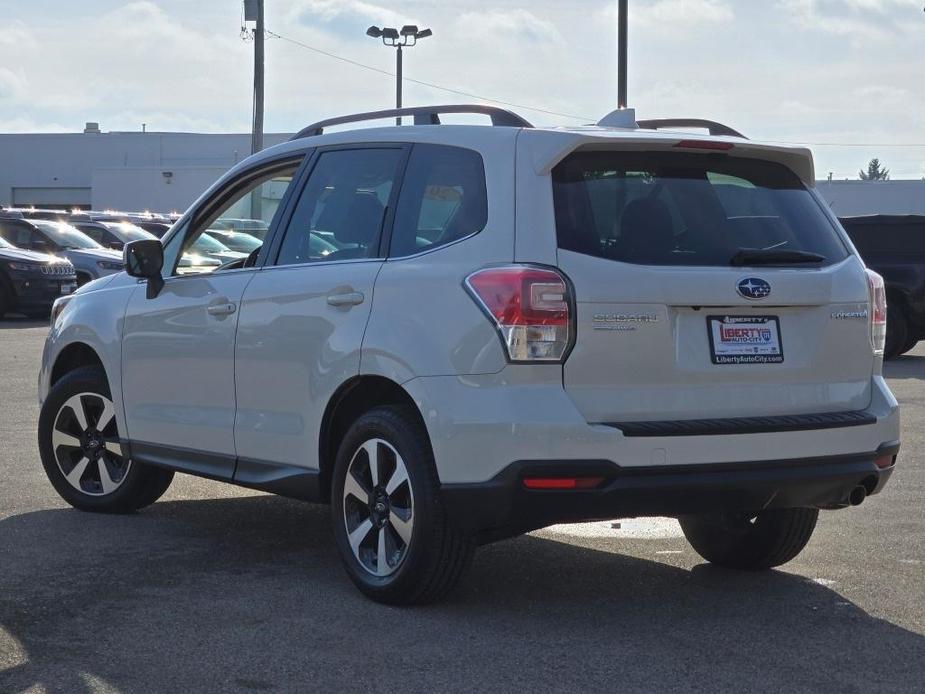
(257, 132)
(621, 52)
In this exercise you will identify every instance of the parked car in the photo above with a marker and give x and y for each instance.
(30, 282)
(208, 247)
(112, 235)
(254, 227)
(89, 258)
(894, 247)
(524, 326)
(159, 229)
(245, 243)
(236, 241)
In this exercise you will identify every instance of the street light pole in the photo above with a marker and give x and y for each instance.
(398, 82)
(406, 38)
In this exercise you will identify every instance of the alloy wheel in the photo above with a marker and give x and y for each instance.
(86, 445)
(378, 507)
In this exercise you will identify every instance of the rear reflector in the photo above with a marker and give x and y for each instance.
(562, 482)
(884, 461)
(705, 144)
(530, 306)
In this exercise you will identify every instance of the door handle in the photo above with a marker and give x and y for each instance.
(223, 309)
(346, 299)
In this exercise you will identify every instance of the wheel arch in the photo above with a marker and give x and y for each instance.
(350, 400)
(74, 356)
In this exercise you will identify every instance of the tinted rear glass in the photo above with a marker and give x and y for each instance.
(667, 208)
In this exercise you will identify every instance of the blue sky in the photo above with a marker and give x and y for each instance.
(846, 75)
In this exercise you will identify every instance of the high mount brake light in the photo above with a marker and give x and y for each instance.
(877, 311)
(705, 144)
(530, 307)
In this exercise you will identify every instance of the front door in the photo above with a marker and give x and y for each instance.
(178, 347)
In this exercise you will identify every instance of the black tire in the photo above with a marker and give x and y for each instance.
(437, 555)
(6, 299)
(140, 486)
(897, 330)
(750, 541)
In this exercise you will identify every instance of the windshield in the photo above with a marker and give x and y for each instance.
(66, 236)
(126, 231)
(670, 208)
(236, 241)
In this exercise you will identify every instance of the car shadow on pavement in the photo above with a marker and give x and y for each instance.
(247, 593)
(906, 366)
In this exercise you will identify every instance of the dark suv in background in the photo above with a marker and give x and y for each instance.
(30, 282)
(894, 247)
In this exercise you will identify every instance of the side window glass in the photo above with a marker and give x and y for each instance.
(240, 217)
(442, 199)
(340, 212)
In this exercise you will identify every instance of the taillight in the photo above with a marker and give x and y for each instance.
(530, 307)
(877, 311)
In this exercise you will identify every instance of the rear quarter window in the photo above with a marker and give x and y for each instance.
(668, 208)
(442, 199)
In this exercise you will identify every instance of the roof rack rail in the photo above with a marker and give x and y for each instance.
(712, 127)
(423, 115)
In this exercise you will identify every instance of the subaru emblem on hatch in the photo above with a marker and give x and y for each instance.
(753, 288)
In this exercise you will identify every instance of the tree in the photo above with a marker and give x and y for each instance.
(874, 172)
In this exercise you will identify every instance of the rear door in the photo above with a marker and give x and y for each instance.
(304, 315)
(707, 286)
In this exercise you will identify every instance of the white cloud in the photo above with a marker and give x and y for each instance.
(682, 13)
(508, 25)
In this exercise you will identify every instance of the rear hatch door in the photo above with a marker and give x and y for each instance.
(707, 286)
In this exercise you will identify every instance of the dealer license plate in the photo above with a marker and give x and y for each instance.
(68, 288)
(745, 340)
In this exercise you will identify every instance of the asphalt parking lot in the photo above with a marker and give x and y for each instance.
(219, 589)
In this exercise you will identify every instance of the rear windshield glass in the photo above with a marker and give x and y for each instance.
(670, 208)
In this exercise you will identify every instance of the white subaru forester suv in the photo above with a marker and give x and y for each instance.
(454, 334)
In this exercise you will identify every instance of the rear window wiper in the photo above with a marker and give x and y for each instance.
(773, 256)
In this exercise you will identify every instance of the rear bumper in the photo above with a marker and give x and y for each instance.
(502, 506)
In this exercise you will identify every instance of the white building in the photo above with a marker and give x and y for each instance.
(852, 198)
(116, 170)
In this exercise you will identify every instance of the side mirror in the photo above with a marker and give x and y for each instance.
(145, 259)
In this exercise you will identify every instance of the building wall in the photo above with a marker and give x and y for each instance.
(116, 170)
(147, 188)
(853, 198)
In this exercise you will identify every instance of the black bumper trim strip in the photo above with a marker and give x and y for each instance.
(745, 425)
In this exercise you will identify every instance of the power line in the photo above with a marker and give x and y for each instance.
(428, 84)
(586, 119)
